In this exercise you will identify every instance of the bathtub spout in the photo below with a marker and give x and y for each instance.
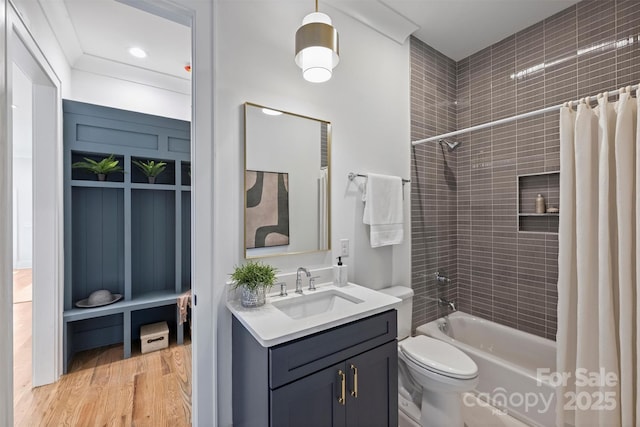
(443, 302)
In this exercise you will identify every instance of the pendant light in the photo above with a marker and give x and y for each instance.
(317, 47)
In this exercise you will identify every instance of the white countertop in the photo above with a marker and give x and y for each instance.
(270, 326)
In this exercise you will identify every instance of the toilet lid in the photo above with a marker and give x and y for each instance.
(439, 356)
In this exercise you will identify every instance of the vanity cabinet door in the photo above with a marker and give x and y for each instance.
(299, 383)
(312, 401)
(372, 392)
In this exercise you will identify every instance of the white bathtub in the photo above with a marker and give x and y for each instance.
(508, 362)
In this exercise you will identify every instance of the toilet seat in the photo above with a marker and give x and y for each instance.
(439, 357)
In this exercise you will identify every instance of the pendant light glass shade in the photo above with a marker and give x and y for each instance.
(317, 50)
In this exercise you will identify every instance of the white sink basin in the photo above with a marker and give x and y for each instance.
(313, 304)
(284, 319)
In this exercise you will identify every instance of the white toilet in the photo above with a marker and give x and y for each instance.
(432, 374)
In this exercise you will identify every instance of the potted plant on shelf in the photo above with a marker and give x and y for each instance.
(254, 278)
(151, 169)
(101, 168)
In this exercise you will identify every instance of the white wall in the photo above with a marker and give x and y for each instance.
(22, 170)
(22, 212)
(128, 95)
(367, 102)
(37, 24)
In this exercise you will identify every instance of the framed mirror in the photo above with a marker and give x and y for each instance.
(286, 183)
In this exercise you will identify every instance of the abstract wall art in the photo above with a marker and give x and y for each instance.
(267, 210)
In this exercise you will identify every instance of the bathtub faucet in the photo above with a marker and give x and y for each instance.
(442, 280)
(443, 302)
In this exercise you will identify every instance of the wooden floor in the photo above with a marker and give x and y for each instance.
(102, 389)
(21, 334)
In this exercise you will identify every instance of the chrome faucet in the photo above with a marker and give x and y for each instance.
(443, 302)
(441, 279)
(299, 280)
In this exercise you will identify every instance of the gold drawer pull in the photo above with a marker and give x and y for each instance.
(342, 376)
(354, 392)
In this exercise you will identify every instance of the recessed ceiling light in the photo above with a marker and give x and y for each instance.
(14, 106)
(137, 52)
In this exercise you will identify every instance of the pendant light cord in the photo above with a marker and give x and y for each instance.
(316, 5)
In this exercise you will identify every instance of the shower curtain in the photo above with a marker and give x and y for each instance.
(599, 238)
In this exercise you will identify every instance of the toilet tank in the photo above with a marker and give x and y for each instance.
(405, 310)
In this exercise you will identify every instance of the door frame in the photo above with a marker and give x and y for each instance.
(6, 240)
(204, 407)
(198, 16)
(22, 49)
(204, 359)
(48, 253)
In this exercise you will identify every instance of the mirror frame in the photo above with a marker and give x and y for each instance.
(244, 184)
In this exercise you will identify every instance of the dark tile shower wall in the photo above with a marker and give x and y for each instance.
(433, 183)
(502, 274)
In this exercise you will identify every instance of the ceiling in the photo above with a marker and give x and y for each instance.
(456, 28)
(96, 35)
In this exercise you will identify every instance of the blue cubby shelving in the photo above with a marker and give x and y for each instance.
(124, 234)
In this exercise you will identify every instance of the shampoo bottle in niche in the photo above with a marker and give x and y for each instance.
(340, 273)
(540, 204)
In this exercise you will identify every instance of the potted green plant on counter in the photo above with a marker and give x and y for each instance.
(150, 168)
(254, 279)
(101, 168)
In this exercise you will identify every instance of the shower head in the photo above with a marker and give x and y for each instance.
(452, 145)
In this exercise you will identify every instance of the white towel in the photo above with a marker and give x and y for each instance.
(383, 209)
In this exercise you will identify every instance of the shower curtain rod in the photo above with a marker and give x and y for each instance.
(508, 119)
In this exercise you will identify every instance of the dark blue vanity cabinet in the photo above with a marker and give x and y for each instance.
(124, 234)
(344, 376)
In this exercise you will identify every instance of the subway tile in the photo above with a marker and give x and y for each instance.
(471, 229)
(560, 35)
(595, 22)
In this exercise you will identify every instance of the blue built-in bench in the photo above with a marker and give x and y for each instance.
(124, 234)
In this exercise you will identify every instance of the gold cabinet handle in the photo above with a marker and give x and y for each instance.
(354, 392)
(343, 386)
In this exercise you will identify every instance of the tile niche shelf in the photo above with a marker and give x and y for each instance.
(124, 234)
(529, 186)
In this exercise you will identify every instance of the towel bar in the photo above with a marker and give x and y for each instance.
(353, 176)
